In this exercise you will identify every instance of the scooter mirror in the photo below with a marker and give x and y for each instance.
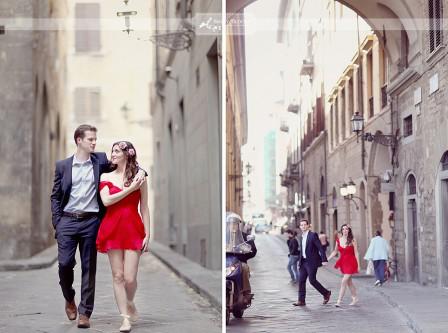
(250, 237)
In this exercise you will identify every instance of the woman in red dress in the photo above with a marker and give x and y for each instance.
(348, 262)
(124, 233)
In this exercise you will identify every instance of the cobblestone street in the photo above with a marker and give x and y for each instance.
(272, 309)
(32, 302)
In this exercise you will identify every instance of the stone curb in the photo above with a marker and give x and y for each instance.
(43, 259)
(410, 321)
(205, 282)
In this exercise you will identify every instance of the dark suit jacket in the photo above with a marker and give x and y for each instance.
(314, 251)
(63, 183)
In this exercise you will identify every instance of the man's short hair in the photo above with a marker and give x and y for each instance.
(305, 220)
(80, 132)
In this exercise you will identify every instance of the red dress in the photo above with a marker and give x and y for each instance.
(122, 227)
(347, 262)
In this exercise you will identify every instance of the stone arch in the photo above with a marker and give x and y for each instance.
(391, 16)
(379, 162)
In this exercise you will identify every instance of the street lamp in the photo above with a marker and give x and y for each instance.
(127, 18)
(358, 126)
(343, 190)
(351, 188)
(248, 168)
(348, 191)
(357, 123)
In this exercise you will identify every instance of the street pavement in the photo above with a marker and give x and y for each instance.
(31, 301)
(272, 310)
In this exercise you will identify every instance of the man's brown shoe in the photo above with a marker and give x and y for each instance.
(299, 303)
(71, 310)
(83, 321)
(327, 297)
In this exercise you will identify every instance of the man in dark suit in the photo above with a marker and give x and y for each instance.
(76, 212)
(312, 256)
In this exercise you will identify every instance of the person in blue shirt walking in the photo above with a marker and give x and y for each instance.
(378, 252)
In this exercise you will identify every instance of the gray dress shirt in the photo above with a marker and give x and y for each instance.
(83, 196)
(304, 237)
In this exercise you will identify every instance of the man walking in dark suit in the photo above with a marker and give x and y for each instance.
(312, 256)
(76, 212)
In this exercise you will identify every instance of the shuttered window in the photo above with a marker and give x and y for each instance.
(435, 24)
(407, 126)
(87, 27)
(87, 104)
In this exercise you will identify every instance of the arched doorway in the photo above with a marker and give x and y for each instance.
(323, 206)
(42, 165)
(334, 217)
(412, 229)
(442, 219)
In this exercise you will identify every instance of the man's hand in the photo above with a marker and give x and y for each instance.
(324, 263)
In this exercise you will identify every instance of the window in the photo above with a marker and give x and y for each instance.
(331, 127)
(87, 104)
(343, 111)
(87, 16)
(322, 187)
(336, 122)
(412, 186)
(435, 24)
(370, 83)
(407, 126)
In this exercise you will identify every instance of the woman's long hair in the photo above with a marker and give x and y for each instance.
(131, 161)
(349, 236)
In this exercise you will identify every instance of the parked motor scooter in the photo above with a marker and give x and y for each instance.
(239, 248)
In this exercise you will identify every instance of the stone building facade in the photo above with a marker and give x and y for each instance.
(32, 120)
(403, 186)
(236, 117)
(186, 116)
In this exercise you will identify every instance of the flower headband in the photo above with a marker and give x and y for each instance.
(122, 145)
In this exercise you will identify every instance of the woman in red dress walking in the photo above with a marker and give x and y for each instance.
(348, 262)
(124, 233)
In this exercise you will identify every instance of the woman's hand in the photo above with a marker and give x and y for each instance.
(145, 244)
(136, 184)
